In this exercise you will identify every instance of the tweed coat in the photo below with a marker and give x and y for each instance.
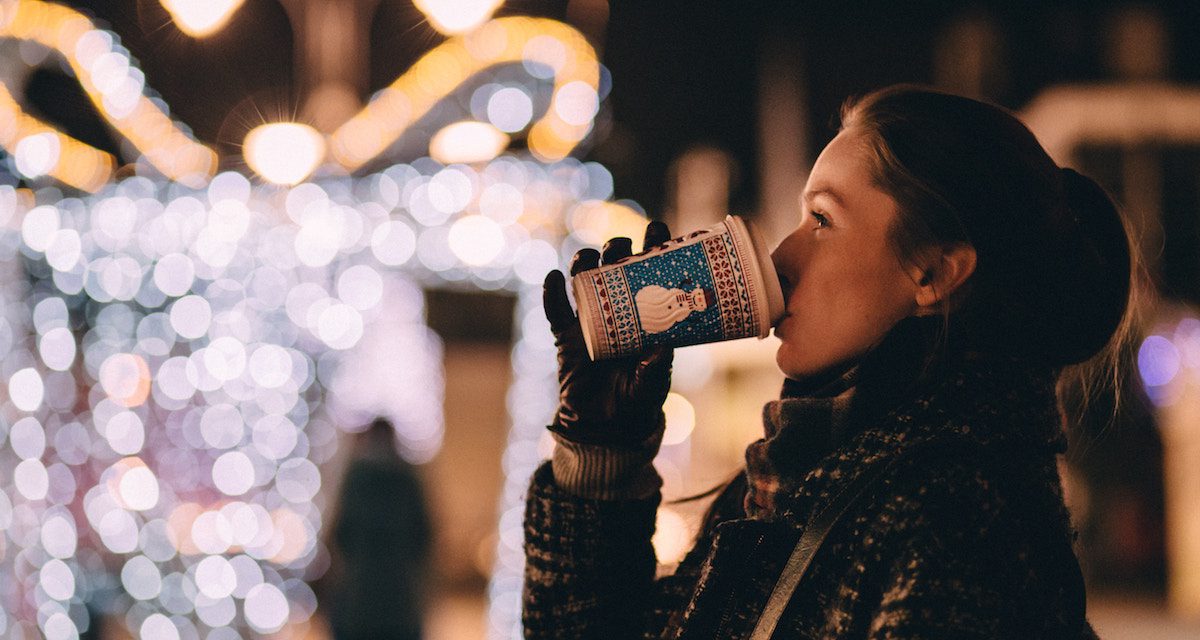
(965, 546)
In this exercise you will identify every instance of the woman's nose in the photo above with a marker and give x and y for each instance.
(786, 255)
(786, 259)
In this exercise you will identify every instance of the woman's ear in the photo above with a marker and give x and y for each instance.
(939, 277)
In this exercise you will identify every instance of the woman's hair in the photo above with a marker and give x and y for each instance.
(1053, 259)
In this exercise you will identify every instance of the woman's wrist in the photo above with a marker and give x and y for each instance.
(603, 472)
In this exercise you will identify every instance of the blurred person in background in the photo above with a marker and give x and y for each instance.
(945, 275)
(378, 582)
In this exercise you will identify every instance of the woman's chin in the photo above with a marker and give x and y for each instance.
(787, 358)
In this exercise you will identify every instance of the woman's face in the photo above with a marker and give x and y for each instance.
(843, 283)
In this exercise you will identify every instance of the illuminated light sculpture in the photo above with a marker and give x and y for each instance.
(218, 321)
(200, 18)
(172, 352)
(209, 372)
(548, 48)
(114, 86)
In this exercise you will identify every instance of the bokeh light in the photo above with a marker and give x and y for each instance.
(672, 536)
(1158, 361)
(284, 152)
(38, 154)
(1168, 361)
(116, 87)
(467, 142)
(179, 376)
(457, 16)
(595, 221)
(510, 109)
(547, 49)
(180, 355)
(200, 18)
(680, 419)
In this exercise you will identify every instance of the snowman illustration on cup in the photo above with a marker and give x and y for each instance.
(661, 308)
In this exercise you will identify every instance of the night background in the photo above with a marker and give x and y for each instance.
(708, 108)
(684, 73)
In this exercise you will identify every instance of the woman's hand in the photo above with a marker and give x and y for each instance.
(615, 402)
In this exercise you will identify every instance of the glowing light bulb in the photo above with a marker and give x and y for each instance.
(284, 152)
(457, 16)
(200, 18)
(466, 142)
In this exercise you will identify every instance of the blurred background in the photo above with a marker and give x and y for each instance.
(271, 341)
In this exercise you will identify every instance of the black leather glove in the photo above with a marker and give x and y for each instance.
(615, 402)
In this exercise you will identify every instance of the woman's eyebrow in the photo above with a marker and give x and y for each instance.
(809, 196)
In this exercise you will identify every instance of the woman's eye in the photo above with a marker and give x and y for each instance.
(822, 221)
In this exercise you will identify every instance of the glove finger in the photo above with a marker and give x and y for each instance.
(555, 303)
(616, 249)
(653, 373)
(585, 259)
(656, 234)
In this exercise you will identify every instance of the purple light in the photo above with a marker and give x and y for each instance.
(1158, 361)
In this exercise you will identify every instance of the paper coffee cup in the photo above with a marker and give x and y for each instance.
(710, 285)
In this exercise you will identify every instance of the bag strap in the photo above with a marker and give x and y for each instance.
(814, 535)
(811, 540)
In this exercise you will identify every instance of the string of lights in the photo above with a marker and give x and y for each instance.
(172, 361)
(547, 48)
(173, 350)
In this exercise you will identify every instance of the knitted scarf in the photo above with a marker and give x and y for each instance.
(798, 428)
(814, 416)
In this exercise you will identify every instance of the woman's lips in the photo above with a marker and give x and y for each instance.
(779, 325)
(786, 286)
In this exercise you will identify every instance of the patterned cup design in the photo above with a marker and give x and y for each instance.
(710, 285)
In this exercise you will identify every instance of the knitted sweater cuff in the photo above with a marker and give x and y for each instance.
(603, 472)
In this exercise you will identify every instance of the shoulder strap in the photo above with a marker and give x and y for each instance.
(811, 540)
(818, 529)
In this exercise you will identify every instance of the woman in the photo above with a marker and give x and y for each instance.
(943, 274)
(381, 539)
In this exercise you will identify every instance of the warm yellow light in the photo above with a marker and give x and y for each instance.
(595, 221)
(680, 419)
(452, 17)
(113, 85)
(284, 152)
(465, 142)
(672, 536)
(199, 18)
(515, 39)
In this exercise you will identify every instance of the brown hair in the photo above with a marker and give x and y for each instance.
(1054, 260)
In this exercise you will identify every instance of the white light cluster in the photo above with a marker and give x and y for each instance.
(172, 368)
